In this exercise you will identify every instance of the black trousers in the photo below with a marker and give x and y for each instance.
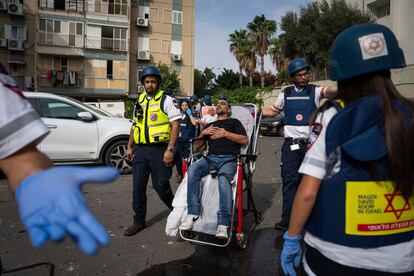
(182, 151)
(148, 161)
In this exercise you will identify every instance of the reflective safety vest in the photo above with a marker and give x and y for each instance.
(299, 106)
(358, 206)
(151, 124)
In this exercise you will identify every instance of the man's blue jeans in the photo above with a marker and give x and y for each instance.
(226, 166)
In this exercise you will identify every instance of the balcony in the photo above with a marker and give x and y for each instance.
(55, 39)
(58, 78)
(113, 44)
(108, 7)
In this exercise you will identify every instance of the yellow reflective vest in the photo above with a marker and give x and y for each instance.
(154, 125)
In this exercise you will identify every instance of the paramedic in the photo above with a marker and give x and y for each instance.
(355, 198)
(50, 201)
(298, 102)
(151, 145)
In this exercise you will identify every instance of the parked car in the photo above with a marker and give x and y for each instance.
(80, 133)
(273, 125)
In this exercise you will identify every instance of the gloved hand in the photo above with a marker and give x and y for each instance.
(51, 205)
(291, 253)
(188, 112)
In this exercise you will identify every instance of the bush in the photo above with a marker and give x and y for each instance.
(246, 94)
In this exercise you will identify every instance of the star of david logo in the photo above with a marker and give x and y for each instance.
(374, 44)
(390, 207)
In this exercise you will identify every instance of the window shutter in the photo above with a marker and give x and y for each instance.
(7, 31)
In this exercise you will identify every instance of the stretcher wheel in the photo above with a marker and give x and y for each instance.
(241, 241)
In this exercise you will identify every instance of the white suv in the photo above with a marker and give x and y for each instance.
(80, 133)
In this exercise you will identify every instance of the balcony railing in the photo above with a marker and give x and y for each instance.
(107, 43)
(55, 39)
(59, 78)
(108, 8)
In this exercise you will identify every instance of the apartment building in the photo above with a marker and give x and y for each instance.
(162, 31)
(17, 40)
(396, 15)
(93, 49)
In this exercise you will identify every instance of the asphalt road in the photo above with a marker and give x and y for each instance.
(151, 252)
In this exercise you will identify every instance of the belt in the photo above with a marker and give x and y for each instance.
(297, 140)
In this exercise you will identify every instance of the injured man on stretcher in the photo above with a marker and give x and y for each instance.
(225, 138)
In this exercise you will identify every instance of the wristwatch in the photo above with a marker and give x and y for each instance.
(171, 149)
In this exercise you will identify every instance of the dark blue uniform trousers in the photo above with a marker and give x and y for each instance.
(290, 163)
(148, 160)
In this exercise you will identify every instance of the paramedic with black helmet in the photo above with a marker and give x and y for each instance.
(356, 196)
(151, 145)
(50, 200)
(298, 102)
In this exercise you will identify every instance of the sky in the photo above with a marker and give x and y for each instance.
(217, 19)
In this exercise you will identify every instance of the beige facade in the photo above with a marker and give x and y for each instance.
(162, 31)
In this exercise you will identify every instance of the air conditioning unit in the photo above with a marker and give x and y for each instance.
(140, 89)
(142, 22)
(16, 45)
(144, 55)
(3, 5)
(3, 42)
(176, 57)
(15, 8)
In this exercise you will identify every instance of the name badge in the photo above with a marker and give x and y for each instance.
(294, 147)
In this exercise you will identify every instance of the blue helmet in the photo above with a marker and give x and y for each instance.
(151, 71)
(194, 98)
(207, 98)
(364, 49)
(296, 65)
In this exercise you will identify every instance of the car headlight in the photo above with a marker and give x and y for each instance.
(276, 123)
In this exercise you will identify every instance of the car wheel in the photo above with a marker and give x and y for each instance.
(281, 131)
(115, 157)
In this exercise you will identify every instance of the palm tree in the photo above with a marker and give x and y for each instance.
(237, 40)
(275, 52)
(262, 30)
(249, 60)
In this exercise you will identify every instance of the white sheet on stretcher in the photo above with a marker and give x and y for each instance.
(207, 222)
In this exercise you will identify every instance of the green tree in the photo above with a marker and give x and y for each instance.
(170, 80)
(311, 33)
(228, 79)
(262, 30)
(275, 53)
(249, 60)
(237, 41)
(204, 81)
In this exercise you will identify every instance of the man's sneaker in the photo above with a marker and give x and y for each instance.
(281, 225)
(222, 232)
(187, 224)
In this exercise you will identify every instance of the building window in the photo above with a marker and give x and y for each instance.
(15, 32)
(69, 5)
(380, 8)
(109, 69)
(16, 69)
(177, 17)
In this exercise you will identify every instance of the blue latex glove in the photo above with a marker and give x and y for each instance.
(51, 205)
(188, 112)
(291, 254)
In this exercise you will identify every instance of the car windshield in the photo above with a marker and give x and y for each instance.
(94, 109)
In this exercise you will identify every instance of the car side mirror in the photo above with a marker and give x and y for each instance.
(85, 116)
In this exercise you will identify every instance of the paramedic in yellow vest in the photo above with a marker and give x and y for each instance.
(151, 145)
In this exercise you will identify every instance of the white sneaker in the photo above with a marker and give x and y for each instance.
(188, 223)
(222, 232)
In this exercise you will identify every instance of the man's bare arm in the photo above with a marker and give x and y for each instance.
(22, 164)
